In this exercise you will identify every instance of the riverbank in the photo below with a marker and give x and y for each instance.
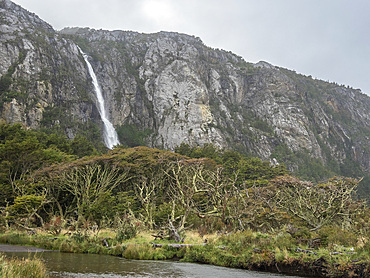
(246, 250)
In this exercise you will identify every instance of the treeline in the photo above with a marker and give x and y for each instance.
(50, 182)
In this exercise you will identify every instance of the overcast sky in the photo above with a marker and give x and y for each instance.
(328, 39)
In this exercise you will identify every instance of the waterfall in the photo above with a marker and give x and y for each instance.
(109, 132)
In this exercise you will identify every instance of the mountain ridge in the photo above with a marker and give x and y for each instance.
(167, 88)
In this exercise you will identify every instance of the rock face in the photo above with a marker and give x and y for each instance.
(44, 82)
(180, 90)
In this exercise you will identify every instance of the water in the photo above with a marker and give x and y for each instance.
(101, 266)
(109, 132)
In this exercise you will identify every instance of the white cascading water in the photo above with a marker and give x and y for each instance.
(109, 132)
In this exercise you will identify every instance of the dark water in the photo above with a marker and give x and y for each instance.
(99, 266)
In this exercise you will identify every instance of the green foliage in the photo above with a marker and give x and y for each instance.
(50, 115)
(24, 204)
(23, 151)
(338, 236)
(6, 80)
(54, 141)
(130, 136)
(81, 147)
(306, 166)
(126, 229)
(262, 125)
(250, 170)
(123, 201)
(19, 144)
(88, 140)
(78, 237)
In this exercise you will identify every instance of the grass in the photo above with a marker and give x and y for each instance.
(17, 268)
(248, 249)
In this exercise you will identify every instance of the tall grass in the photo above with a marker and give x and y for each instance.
(22, 268)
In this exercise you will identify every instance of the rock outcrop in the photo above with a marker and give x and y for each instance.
(44, 80)
(180, 90)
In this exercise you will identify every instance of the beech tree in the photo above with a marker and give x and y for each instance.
(318, 205)
(22, 152)
(196, 189)
(91, 185)
(184, 186)
(25, 208)
(147, 190)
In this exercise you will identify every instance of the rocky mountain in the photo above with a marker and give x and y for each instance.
(44, 79)
(165, 89)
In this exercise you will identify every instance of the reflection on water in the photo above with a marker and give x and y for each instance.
(99, 266)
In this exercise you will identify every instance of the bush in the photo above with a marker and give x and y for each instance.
(139, 252)
(335, 235)
(54, 226)
(285, 241)
(125, 232)
(197, 254)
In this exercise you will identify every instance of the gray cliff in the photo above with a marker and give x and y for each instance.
(177, 90)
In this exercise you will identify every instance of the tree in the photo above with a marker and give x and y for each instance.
(90, 186)
(318, 205)
(147, 190)
(26, 207)
(21, 153)
(184, 186)
(195, 188)
(82, 147)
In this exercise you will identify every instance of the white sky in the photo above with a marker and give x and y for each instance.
(328, 39)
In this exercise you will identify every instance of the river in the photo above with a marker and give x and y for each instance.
(102, 266)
